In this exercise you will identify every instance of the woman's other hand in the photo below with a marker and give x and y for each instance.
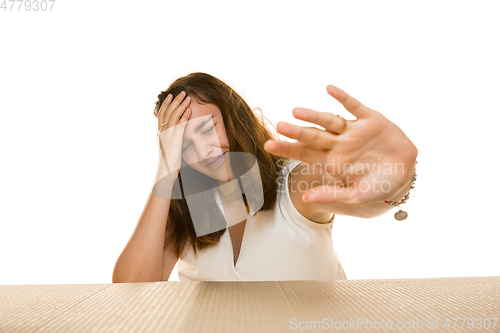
(175, 113)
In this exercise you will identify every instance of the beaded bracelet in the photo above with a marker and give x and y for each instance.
(401, 215)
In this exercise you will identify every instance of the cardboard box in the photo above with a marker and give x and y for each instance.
(423, 305)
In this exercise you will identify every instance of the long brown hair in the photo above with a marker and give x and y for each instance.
(246, 133)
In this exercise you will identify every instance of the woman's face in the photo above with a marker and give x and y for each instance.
(204, 139)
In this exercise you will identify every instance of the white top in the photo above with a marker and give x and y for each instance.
(277, 245)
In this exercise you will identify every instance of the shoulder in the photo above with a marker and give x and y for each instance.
(300, 178)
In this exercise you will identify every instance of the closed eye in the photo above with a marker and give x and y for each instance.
(206, 132)
(211, 128)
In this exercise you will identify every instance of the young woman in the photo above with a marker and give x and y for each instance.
(230, 203)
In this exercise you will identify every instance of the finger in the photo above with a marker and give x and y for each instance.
(173, 105)
(177, 113)
(163, 107)
(331, 122)
(295, 150)
(350, 103)
(183, 120)
(311, 136)
(177, 100)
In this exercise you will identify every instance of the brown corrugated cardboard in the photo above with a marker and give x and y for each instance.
(423, 305)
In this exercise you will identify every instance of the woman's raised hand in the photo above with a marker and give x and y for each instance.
(365, 160)
(175, 113)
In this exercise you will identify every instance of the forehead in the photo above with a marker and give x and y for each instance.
(199, 114)
(200, 110)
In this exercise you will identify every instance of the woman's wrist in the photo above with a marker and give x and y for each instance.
(402, 195)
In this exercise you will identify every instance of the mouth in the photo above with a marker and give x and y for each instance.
(215, 161)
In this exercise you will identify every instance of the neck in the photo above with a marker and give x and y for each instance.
(229, 188)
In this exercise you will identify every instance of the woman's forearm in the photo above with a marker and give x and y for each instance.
(142, 258)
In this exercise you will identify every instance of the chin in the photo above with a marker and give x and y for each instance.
(220, 175)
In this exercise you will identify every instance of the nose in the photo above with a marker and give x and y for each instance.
(203, 150)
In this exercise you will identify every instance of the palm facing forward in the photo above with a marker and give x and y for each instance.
(357, 162)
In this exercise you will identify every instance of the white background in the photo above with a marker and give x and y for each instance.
(78, 135)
